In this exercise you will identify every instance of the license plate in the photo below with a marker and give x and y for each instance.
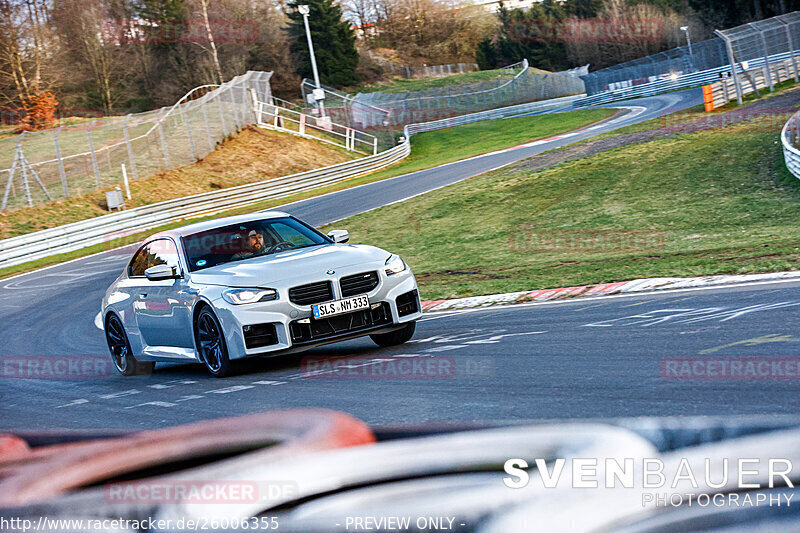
(339, 307)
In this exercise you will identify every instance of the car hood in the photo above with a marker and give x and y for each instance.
(306, 263)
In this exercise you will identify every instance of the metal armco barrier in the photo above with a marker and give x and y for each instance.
(790, 136)
(722, 92)
(113, 227)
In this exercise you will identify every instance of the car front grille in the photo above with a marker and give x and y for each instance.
(358, 283)
(313, 293)
(306, 331)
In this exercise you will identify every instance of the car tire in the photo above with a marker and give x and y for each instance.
(394, 338)
(120, 348)
(210, 342)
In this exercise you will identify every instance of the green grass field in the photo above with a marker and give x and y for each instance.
(712, 202)
(452, 144)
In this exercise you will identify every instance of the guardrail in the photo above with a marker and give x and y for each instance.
(108, 228)
(114, 226)
(277, 116)
(790, 136)
(721, 92)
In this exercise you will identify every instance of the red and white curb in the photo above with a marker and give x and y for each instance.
(602, 289)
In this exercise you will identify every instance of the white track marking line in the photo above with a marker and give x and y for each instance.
(154, 403)
(79, 401)
(120, 394)
(228, 390)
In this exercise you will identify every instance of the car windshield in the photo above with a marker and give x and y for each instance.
(249, 239)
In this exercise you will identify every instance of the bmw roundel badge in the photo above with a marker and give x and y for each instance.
(331, 272)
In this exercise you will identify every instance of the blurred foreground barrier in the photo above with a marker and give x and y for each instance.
(454, 474)
(32, 476)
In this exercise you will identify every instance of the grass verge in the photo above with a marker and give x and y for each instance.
(718, 201)
(404, 85)
(429, 149)
(254, 154)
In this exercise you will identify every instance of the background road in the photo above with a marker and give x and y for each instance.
(548, 362)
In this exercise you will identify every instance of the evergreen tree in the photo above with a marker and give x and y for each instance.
(334, 42)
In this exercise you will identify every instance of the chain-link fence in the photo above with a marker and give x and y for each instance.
(758, 46)
(38, 167)
(366, 111)
(425, 71)
(764, 45)
(666, 65)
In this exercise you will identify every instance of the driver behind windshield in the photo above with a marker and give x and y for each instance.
(253, 245)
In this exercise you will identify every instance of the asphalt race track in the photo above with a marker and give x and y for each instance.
(599, 357)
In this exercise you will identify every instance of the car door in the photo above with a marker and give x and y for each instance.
(163, 311)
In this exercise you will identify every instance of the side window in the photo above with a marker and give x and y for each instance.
(158, 252)
(139, 263)
(162, 252)
(288, 233)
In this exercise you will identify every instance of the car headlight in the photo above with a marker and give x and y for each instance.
(394, 265)
(249, 296)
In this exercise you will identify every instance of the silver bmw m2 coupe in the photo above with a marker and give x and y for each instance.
(253, 285)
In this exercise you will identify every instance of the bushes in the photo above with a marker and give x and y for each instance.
(40, 111)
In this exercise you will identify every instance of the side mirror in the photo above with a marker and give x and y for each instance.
(339, 235)
(161, 272)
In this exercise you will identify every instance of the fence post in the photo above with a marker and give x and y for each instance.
(160, 124)
(130, 148)
(768, 71)
(125, 182)
(189, 133)
(61, 171)
(791, 50)
(94, 156)
(11, 175)
(302, 127)
(374, 146)
(736, 82)
(25, 185)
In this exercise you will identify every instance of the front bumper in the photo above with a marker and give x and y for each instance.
(289, 327)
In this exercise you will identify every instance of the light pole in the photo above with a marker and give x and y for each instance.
(689, 42)
(318, 94)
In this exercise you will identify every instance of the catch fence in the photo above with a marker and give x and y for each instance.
(367, 111)
(39, 167)
(766, 46)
